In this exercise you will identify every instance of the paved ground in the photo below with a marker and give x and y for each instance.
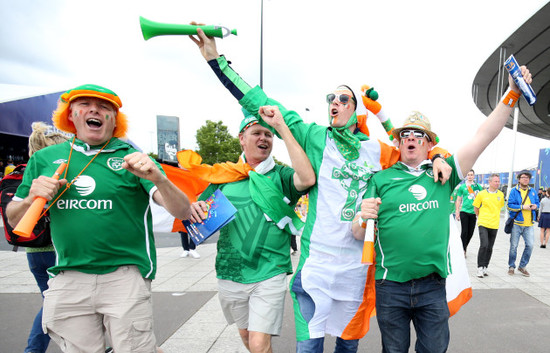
(506, 313)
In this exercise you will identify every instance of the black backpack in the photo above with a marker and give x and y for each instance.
(40, 236)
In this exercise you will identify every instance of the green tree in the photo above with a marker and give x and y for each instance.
(216, 145)
(279, 162)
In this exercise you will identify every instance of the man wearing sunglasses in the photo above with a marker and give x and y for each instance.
(328, 288)
(412, 242)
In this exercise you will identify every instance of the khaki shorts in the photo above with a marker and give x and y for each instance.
(80, 309)
(257, 306)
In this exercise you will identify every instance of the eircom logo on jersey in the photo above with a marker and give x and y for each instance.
(419, 193)
(84, 185)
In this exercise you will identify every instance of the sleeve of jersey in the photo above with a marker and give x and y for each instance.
(229, 78)
(376, 190)
(256, 98)
(28, 176)
(454, 179)
(289, 189)
(147, 185)
(459, 191)
(252, 99)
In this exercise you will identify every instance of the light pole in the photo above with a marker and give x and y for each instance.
(262, 46)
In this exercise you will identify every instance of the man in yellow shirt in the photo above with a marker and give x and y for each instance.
(487, 206)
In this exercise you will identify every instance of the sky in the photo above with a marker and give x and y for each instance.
(419, 55)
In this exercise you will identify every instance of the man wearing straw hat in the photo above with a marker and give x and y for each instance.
(101, 226)
(412, 243)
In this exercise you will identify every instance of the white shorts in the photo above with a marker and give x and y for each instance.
(257, 307)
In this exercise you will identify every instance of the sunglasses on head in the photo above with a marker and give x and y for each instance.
(342, 98)
(405, 134)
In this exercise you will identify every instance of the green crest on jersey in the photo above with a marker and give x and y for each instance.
(115, 163)
(355, 174)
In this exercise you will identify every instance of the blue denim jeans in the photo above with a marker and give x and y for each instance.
(529, 237)
(422, 301)
(315, 345)
(307, 309)
(39, 262)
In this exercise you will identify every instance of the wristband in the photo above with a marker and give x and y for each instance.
(437, 155)
(510, 98)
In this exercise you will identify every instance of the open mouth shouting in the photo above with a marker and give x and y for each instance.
(94, 123)
(411, 147)
(334, 113)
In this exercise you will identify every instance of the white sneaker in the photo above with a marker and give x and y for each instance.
(194, 254)
(185, 253)
(480, 272)
(485, 271)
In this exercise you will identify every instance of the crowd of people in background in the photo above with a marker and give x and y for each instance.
(526, 206)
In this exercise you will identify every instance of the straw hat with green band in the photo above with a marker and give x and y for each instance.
(61, 114)
(416, 121)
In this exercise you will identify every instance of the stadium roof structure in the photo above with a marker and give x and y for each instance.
(17, 116)
(530, 44)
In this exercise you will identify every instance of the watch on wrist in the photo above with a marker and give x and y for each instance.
(438, 155)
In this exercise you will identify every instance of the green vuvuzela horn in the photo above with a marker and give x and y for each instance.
(151, 29)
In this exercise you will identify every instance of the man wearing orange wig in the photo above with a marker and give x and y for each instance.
(101, 226)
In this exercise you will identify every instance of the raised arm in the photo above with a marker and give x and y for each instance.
(207, 45)
(230, 79)
(491, 127)
(250, 98)
(304, 176)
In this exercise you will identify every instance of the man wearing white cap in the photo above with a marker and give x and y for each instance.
(412, 243)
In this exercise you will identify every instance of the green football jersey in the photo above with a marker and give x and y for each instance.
(250, 248)
(413, 223)
(103, 221)
(468, 195)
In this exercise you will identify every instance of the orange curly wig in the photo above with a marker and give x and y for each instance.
(60, 116)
